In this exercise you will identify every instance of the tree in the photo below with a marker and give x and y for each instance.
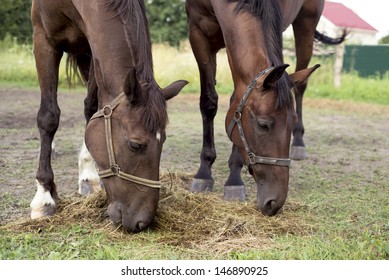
(167, 21)
(15, 20)
(384, 40)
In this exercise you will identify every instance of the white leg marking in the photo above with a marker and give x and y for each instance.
(87, 173)
(42, 200)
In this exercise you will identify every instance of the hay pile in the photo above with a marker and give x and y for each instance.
(205, 221)
(185, 220)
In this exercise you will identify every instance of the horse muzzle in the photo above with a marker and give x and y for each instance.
(131, 221)
(271, 197)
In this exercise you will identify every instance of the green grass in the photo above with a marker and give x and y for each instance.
(374, 89)
(17, 68)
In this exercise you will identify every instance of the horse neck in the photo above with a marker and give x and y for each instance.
(255, 28)
(247, 54)
(245, 40)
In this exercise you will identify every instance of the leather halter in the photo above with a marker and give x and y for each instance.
(114, 169)
(236, 120)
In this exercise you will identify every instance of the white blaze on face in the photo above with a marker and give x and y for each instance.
(158, 136)
(41, 200)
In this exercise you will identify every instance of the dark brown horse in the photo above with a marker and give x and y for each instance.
(304, 16)
(261, 116)
(108, 41)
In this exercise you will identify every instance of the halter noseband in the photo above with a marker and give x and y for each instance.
(114, 169)
(236, 120)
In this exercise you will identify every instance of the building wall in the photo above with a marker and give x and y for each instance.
(356, 36)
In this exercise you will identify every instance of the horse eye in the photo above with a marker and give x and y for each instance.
(136, 147)
(263, 126)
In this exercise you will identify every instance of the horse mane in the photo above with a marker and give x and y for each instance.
(270, 14)
(153, 104)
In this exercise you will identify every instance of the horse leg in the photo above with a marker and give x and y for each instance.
(206, 60)
(234, 188)
(88, 178)
(47, 64)
(304, 29)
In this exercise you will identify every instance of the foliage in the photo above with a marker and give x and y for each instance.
(15, 20)
(384, 40)
(167, 20)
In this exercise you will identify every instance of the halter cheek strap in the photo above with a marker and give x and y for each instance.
(114, 169)
(237, 121)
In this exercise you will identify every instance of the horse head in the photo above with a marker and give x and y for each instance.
(260, 122)
(125, 139)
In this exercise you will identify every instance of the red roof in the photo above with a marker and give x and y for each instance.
(342, 16)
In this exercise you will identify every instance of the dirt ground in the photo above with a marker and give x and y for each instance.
(356, 128)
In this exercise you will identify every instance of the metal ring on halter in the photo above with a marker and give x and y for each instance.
(115, 169)
(237, 116)
(109, 113)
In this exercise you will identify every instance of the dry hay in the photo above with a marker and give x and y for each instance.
(185, 220)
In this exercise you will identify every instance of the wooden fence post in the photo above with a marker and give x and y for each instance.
(339, 53)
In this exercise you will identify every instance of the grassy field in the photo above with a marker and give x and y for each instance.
(337, 206)
(17, 68)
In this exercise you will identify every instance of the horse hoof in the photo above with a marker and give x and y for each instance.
(298, 153)
(43, 211)
(234, 193)
(43, 203)
(87, 187)
(201, 185)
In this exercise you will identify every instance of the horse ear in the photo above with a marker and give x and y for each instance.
(274, 75)
(173, 89)
(132, 88)
(302, 75)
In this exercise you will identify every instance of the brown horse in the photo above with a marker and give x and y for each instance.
(109, 42)
(261, 116)
(304, 16)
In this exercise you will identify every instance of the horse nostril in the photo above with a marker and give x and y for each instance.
(269, 209)
(141, 226)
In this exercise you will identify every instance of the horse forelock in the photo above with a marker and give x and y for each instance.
(284, 97)
(270, 14)
(153, 105)
(154, 113)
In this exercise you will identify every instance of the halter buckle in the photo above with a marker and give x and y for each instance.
(251, 160)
